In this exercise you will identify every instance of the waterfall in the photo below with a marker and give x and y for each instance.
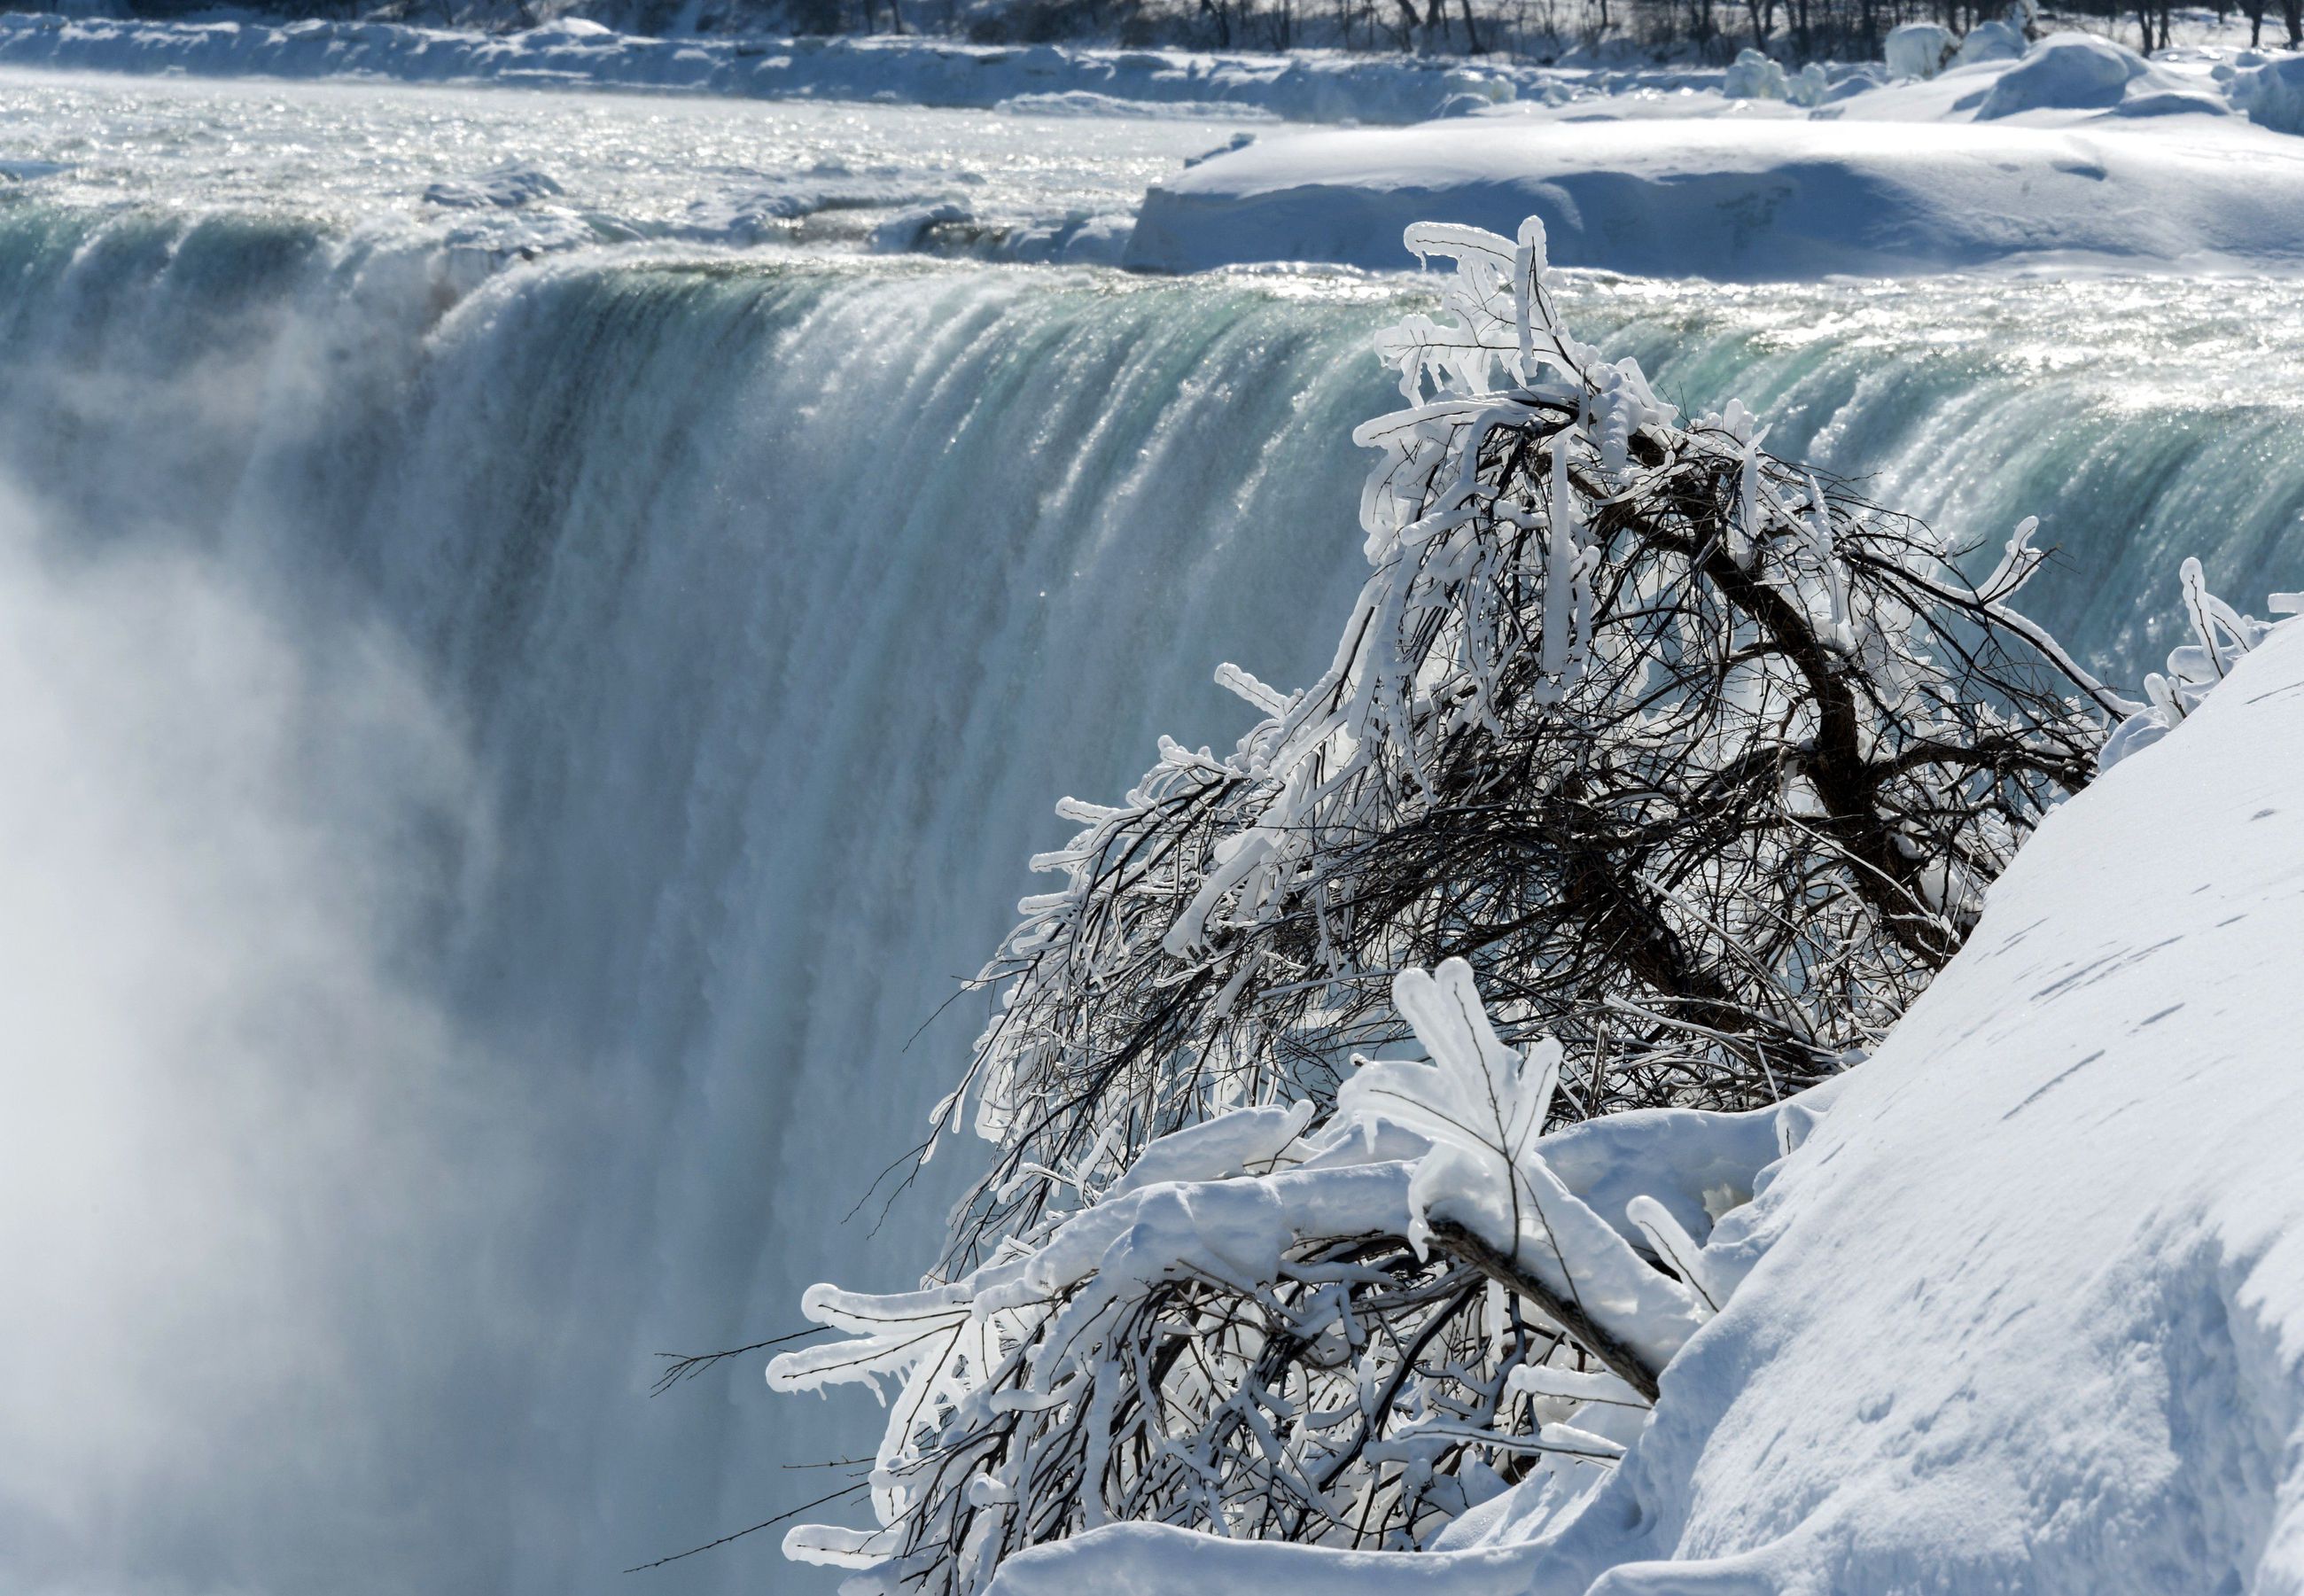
(720, 633)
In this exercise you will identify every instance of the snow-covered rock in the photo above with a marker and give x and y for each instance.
(906, 229)
(507, 187)
(1918, 49)
(2272, 93)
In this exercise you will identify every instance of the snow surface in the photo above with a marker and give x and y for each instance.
(2079, 152)
(2027, 1312)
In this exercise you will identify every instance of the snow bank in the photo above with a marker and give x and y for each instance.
(2029, 1308)
(1749, 200)
(2077, 151)
(2272, 92)
(2071, 72)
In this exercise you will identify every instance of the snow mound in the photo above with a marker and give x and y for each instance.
(1990, 41)
(2272, 93)
(1317, 86)
(2068, 71)
(1083, 102)
(1748, 200)
(759, 210)
(2027, 1308)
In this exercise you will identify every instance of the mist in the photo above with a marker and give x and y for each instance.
(253, 1266)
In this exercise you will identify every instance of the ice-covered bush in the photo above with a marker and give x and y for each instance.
(1701, 760)
(1754, 76)
(1919, 49)
(1694, 762)
(1812, 88)
(1346, 1337)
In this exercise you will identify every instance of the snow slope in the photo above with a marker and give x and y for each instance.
(2080, 151)
(2030, 1311)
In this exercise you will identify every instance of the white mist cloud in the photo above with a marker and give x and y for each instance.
(247, 1173)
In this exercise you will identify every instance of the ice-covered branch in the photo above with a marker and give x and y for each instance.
(2220, 635)
(1255, 1331)
(1700, 761)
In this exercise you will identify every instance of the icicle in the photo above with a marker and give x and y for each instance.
(1744, 533)
(1559, 571)
(2197, 610)
(1838, 634)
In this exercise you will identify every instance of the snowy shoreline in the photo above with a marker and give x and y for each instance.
(2075, 155)
(2078, 154)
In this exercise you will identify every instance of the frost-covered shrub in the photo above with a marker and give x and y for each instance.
(1812, 88)
(1699, 760)
(1346, 1337)
(1754, 76)
(1695, 763)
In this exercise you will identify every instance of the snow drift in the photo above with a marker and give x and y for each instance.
(2029, 1311)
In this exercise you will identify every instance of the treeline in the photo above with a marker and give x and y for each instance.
(1539, 31)
(1535, 31)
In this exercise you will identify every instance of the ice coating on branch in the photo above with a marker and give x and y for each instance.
(1030, 1358)
(2221, 635)
(1477, 1097)
(1230, 1144)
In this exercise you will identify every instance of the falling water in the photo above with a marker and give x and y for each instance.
(662, 668)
